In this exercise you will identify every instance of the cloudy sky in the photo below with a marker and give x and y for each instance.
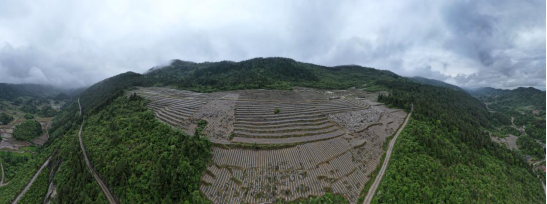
(497, 43)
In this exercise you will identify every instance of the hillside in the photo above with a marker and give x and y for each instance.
(261, 73)
(519, 97)
(434, 82)
(443, 154)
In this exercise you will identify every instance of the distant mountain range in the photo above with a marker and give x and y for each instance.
(522, 96)
(517, 97)
(11, 91)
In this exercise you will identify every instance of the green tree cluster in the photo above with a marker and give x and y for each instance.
(147, 161)
(27, 130)
(28, 116)
(529, 146)
(5, 118)
(47, 111)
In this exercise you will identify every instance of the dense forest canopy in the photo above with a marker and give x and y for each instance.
(147, 161)
(435, 83)
(261, 73)
(27, 130)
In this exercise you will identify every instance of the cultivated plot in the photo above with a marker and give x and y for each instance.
(311, 141)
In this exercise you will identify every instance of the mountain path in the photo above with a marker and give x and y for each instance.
(2, 180)
(102, 185)
(372, 190)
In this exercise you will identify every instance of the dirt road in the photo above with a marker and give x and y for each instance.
(104, 188)
(542, 184)
(2, 180)
(374, 186)
(31, 181)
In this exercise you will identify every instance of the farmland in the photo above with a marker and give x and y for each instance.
(311, 141)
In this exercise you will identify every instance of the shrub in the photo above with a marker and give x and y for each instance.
(5, 118)
(29, 116)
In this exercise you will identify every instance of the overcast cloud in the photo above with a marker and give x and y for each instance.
(497, 43)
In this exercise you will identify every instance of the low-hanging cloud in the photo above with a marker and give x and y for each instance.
(468, 43)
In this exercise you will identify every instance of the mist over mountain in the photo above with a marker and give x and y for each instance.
(466, 43)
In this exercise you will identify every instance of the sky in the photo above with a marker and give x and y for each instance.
(496, 43)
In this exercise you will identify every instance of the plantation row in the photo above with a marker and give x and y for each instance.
(337, 140)
(338, 106)
(269, 95)
(279, 123)
(283, 176)
(311, 94)
(304, 156)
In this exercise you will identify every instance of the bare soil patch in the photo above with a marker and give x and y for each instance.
(510, 141)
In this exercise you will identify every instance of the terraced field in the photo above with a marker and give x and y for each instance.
(312, 141)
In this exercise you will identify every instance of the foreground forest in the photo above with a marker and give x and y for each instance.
(443, 155)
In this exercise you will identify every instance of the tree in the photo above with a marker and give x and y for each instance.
(47, 111)
(27, 130)
(5, 118)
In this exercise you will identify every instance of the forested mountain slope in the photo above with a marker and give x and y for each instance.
(436, 161)
(521, 108)
(434, 82)
(258, 73)
(445, 156)
(517, 97)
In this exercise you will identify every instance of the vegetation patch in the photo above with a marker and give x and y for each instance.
(147, 161)
(5, 118)
(530, 147)
(47, 111)
(27, 130)
(28, 116)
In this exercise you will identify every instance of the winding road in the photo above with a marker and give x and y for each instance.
(31, 181)
(374, 186)
(102, 185)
